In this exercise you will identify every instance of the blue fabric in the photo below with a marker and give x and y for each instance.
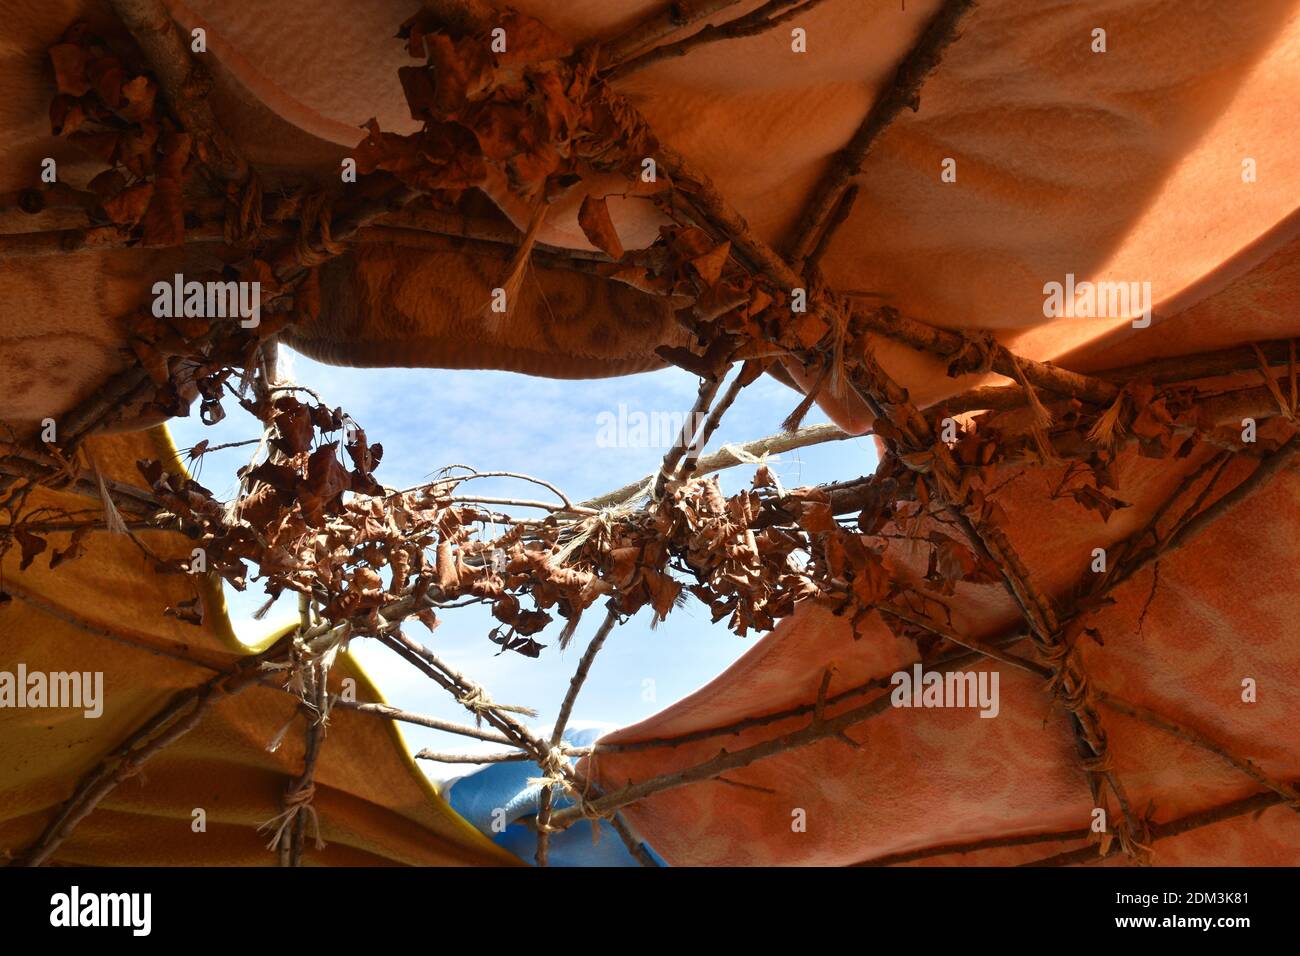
(505, 786)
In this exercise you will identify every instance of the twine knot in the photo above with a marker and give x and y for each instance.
(553, 765)
(297, 800)
(314, 243)
(976, 354)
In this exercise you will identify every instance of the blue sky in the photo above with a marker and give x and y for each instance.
(428, 418)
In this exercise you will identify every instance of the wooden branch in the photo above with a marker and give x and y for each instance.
(303, 787)
(176, 719)
(524, 503)
(771, 14)
(973, 846)
(663, 22)
(475, 699)
(716, 210)
(579, 789)
(703, 399)
(1263, 473)
(1193, 736)
(942, 342)
(945, 343)
(132, 384)
(749, 723)
(546, 797)
(836, 219)
(473, 474)
(51, 206)
(912, 436)
(121, 390)
(991, 651)
(725, 761)
(393, 713)
(726, 458)
(1194, 524)
(580, 675)
(35, 200)
(63, 527)
(185, 84)
(427, 229)
(1196, 365)
(1174, 828)
(690, 465)
(634, 845)
(514, 756)
(1189, 526)
(33, 466)
(63, 240)
(904, 91)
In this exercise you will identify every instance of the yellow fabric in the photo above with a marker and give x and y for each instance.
(374, 805)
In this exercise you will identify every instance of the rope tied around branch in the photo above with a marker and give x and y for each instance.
(553, 764)
(602, 521)
(243, 221)
(314, 243)
(1098, 763)
(297, 799)
(1070, 685)
(478, 700)
(760, 461)
(1136, 846)
(976, 356)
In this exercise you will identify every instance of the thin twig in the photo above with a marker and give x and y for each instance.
(771, 14)
(663, 22)
(974, 846)
(1193, 736)
(726, 457)
(546, 797)
(580, 675)
(903, 92)
(701, 440)
(183, 82)
(703, 399)
(1173, 828)
(181, 714)
(394, 713)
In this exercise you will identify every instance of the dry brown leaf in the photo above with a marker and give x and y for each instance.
(163, 223)
(69, 61)
(128, 206)
(596, 224)
(709, 265)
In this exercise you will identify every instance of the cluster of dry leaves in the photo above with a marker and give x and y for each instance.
(312, 518)
(109, 108)
(538, 121)
(533, 116)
